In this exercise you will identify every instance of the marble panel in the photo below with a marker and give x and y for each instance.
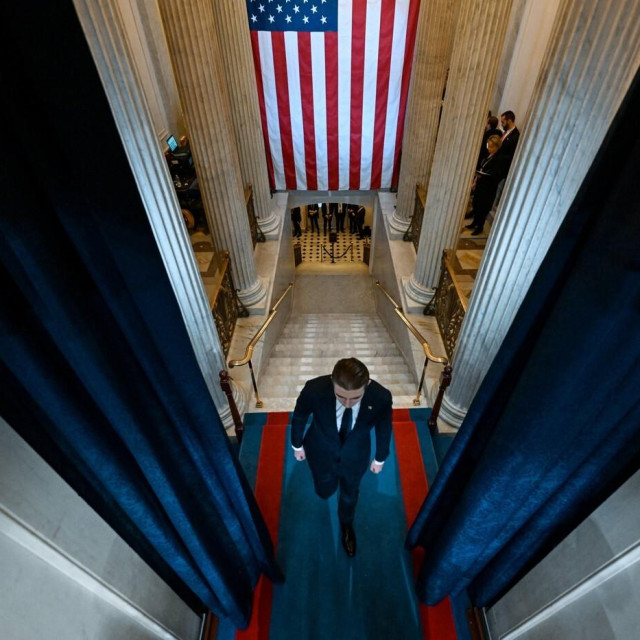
(54, 513)
(566, 586)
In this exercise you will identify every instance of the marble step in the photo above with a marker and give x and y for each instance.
(292, 390)
(325, 363)
(288, 404)
(376, 371)
(335, 350)
(310, 345)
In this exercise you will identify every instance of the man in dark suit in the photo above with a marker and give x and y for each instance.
(351, 215)
(327, 216)
(360, 214)
(341, 212)
(344, 407)
(296, 219)
(312, 218)
(510, 139)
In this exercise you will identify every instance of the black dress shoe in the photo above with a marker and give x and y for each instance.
(349, 540)
(477, 231)
(470, 226)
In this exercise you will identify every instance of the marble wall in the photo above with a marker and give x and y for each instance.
(65, 572)
(588, 587)
(282, 275)
(384, 270)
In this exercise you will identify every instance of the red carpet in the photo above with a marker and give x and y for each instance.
(437, 622)
(268, 494)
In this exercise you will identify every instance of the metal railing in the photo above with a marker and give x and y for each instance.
(332, 255)
(252, 344)
(445, 377)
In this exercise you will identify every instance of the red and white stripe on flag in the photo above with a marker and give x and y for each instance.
(333, 103)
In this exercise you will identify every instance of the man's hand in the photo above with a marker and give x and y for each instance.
(376, 467)
(299, 455)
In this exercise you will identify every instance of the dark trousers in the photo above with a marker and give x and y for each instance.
(340, 222)
(326, 224)
(313, 223)
(479, 216)
(353, 227)
(327, 484)
(297, 232)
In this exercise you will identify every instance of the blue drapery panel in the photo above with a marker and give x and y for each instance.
(555, 426)
(96, 369)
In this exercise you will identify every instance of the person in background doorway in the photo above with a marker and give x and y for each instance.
(360, 213)
(312, 217)
(327, 217)
(296, 219)
(341, 212)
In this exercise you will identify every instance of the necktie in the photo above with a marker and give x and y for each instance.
(345, 425)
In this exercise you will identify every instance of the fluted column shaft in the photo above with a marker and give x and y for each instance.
(197, 63)
(235, 48)
(106, 36)
(434, 40)
(480, 32)
(593, 56)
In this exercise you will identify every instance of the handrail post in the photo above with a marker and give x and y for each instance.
(255, 386)
(416, 400)
(445, 381)
(225, 383)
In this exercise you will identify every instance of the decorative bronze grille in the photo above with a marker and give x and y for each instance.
(226, 307)
(448, 305)
(412, 234)
(256, 231)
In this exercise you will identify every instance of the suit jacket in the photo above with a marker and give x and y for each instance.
(322, 442)
(488, 175)
(508, 149)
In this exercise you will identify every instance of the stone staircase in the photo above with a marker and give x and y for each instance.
(311, 344)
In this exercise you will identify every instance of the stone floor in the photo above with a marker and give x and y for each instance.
(317, 248)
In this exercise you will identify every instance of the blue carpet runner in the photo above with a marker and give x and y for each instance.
(327, 595)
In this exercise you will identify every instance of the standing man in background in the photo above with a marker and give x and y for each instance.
(510, 139)
(344, 407)
(296, 219)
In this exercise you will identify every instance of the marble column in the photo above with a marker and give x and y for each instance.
(232, 25)
(480, 32)
(106, 37)
(593, 55)
(197, 64)
(434, 40)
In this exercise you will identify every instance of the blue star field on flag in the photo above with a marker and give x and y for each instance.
(293, 15)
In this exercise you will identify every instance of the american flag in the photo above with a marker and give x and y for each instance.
(333, 78)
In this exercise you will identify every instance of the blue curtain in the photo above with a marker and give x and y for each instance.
(555, 426)
(96, 369)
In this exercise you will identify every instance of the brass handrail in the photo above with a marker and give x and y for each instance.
(252, 343)
(421, 339)
(445, 377)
